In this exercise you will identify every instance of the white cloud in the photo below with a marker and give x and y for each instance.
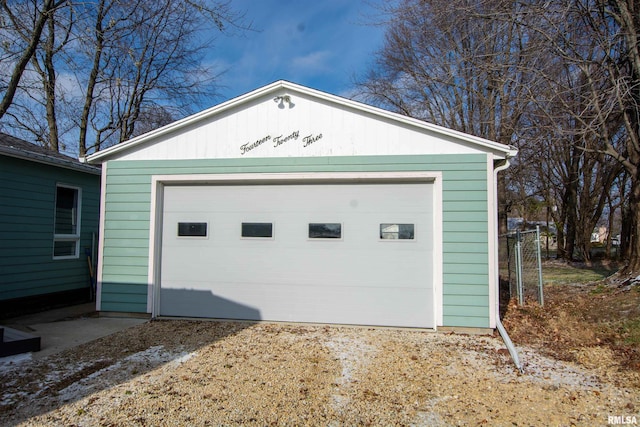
(314, 61)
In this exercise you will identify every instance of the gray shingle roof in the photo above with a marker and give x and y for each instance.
(19, 148)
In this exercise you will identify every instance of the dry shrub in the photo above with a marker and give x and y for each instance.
(595, 357)
(593, 325)
(568, 329)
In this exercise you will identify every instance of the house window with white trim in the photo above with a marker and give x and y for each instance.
(66, 237)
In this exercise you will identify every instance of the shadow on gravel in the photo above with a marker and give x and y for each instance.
(29, 387)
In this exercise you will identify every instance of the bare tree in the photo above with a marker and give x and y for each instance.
(99, 64)
(145, 54)
(452, 63)
(616, 200)
(567, 172)
(554, 78)
(22, 28)
(54, 40)
(598, 39)
(464, 64)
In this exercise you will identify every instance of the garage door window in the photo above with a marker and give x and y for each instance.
(397, 231)
(257, 229)
(192, 229)
(324, 230)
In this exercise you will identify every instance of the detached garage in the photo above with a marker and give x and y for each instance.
(289, 204)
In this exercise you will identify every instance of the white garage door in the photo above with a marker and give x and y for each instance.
(328, 253)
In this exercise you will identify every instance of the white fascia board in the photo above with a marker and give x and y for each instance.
(499, 150)
(103, 205)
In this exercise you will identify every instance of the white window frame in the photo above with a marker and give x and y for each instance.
(75, 237)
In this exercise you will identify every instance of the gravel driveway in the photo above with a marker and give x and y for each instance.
(195, 373)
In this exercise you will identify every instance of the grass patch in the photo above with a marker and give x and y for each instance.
(570, 274)
(599, 289)
(631, 331)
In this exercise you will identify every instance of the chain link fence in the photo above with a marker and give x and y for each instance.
(521, 266)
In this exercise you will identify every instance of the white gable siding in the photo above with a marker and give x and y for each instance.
(307, 128)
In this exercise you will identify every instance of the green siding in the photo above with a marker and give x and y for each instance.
(452, 265)
(465, 227)
(467, 289)
(467, 237)
(27, 203)
(468, 216)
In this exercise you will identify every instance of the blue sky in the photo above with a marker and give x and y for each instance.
(321, 44)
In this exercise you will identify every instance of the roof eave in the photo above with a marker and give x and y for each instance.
(39, 158)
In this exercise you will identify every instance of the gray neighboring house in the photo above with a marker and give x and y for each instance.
(49, 216)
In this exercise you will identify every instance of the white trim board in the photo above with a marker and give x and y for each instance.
(101, 228)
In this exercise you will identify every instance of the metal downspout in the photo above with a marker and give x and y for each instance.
(507, 341)
(503, 332)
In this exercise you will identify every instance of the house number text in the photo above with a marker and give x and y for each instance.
(278, 141)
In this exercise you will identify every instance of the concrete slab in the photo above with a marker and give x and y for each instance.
(58, 336)
(54, 315)
(68, 327)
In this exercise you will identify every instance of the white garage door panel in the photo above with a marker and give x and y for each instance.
(289, 266)
(358, 279)
(330, 304)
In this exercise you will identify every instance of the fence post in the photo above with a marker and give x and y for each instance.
(518, 257)
(540, 290)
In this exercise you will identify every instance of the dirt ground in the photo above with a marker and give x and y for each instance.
(580, 368)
